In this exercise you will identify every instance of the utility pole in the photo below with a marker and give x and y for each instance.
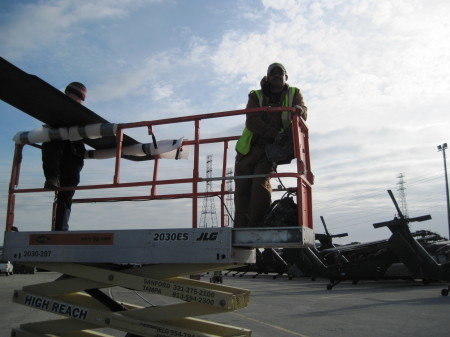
(442, 148)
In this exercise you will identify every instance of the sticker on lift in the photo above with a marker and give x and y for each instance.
(72, 239)
(56, 307)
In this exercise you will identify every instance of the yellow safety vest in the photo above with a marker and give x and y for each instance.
(244, 142)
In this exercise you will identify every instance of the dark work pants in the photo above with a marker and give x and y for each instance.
(252, 196)
(63, 160)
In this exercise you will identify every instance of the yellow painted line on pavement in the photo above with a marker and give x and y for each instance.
(270, 325)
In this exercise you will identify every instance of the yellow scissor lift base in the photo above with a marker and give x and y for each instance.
(90, 261)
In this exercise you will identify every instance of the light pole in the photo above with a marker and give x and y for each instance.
(442, 148)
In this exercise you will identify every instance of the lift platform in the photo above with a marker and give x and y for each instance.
(153, 261)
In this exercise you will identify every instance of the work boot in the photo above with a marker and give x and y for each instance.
(52, 183)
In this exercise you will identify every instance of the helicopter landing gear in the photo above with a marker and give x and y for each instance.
(332, 284)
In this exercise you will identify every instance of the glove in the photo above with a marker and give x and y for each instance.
(265, 86)
(300, 111)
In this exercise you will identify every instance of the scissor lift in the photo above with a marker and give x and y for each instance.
(155, 261)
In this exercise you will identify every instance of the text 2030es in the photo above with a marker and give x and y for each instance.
(170, 236)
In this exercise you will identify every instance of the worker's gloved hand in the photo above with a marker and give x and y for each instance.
(300, 111)
(265, 86)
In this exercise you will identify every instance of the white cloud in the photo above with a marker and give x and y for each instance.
(350, 54)
(161, 91)
(43, 24)
(134, 79)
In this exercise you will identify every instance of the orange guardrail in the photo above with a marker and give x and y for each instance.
(302, 172)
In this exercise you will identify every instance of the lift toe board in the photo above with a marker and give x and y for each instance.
(157, 246)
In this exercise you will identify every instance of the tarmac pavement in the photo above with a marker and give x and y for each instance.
(286, 308)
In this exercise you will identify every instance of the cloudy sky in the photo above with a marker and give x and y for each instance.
(375, 75)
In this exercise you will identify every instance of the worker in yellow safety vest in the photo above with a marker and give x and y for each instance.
(252, 197)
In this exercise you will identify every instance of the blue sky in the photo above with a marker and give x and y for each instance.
(375, 77)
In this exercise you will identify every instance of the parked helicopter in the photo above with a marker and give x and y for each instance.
(355, 262)
(415, 257)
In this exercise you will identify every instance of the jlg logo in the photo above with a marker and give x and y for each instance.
(208, 236)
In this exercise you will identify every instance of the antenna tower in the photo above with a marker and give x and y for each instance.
(401, 191)
(229, 201)
(208, 217)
